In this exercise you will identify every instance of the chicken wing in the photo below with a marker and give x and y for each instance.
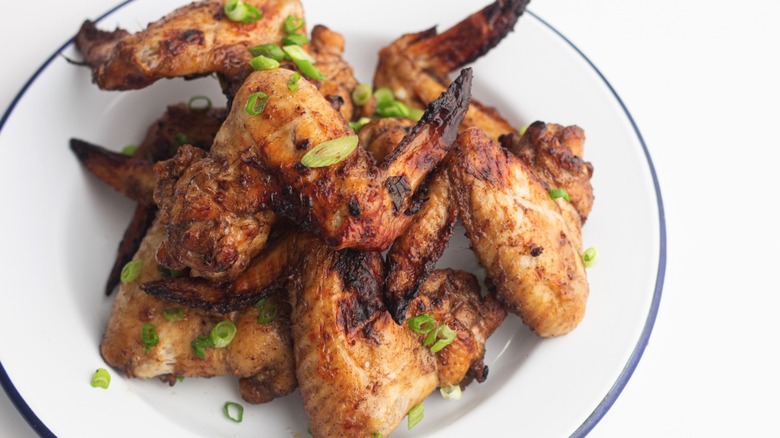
(415, 66)
(210, 205)
(195, 40)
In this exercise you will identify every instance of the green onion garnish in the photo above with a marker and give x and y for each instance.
(451, 392)
(559, 193)
(296, 39)
(222, 334)
(173, 313)
(415, 415)
(264, 63)
(168, 272)
(422, 323)
(359, 124)
(149, 336)
(440, 338)
(199, 103)
(101, 379)
(131, 271)
(233, 411)
(199, 346)
(129, 150)
(268, 50)
(392, 108)
(292, 84)
(522, 130)
(589, 257)
(304, 61)
(376, 435)
(236, 10)
(180, 378)
(256, 103)
(361, 94)
(267, 312)
(330, 152)
(293, 24)
(415, 114)
(180, 139)
(383, 94)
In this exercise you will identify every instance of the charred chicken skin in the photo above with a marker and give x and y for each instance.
(215, 207)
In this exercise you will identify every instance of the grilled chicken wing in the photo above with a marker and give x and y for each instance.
(261, 352)
(415, 66)
(327, 48)
(520, 235)
(195, 40)
(211, 205)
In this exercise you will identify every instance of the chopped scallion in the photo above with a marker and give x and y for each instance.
(236, 10)
(292, 84)
(233, 411)
(522, 130)
(415, 415)
(560, 193)
(149, 337)
(101, 379)
(256, 103)
(440, 338)
(451, 392)
(392, 108)
(222, 334)
(383, 94)
(589, 257)
(180, 139)
(131, 271)
(330, 152)
(296, 39)
(293, 24)
(199, 103)
(361, 94)
(129, 150)
(268, 50)
(199, 346)
(359, 124)
(267, 311)
(264, 63)
(173, 314)
(422, 323)
(304, 61)
(415, 114)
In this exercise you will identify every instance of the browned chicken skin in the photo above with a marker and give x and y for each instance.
(213, 207)
(415, 66)
(194, 40)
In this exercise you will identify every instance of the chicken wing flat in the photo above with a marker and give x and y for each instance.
(210, 204)
(520, 234)
(415, 66)
(195, 40)
(327, 48)
(260, 352)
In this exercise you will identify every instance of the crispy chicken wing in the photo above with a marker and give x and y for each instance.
(211, 204)
(415, 66)
(195, 40)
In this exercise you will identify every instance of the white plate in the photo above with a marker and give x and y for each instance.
(60, 230)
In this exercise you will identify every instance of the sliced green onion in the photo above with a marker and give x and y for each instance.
(440, 338)
(173, 314)
(256, 103)
(304, 61)
(415, 114)
(392, 108)
(149, 336)
(589, 257)
(451, 392)
(415, 415)
(376, 435)
(264, 63)
(131, 271)
(233, 411)
(236, 10)
(199, 346)
(359, 124)
(222, 334)
(361, 94)
(559, 193)
(180, 139)
(268, 50)
(422, 323)
(267, 312)
(180, 378)
(383, 94)
(168, 272)
(330, 152)
(199, 103)
(293, 24)
(129, 150)
(101, 379)
(522, 130)
(292, 84)
(296, 39)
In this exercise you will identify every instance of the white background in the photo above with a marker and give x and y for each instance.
(701, 80)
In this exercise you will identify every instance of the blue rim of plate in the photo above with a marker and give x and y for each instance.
(628, 370)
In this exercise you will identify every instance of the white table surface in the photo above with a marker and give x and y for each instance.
(701, 79)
